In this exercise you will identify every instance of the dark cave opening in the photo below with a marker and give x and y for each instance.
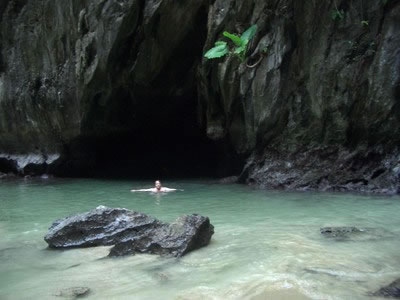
(166, 143)
(159, 138)
(150, 130)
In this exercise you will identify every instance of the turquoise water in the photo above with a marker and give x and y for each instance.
(267, 244)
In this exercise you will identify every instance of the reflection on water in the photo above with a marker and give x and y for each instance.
(267, 245)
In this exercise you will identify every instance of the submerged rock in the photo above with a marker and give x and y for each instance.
(391, 291)
(340, 232)
(351, 233)
(130, 232)
(73, 292)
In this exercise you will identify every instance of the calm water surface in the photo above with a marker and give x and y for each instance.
(267, 245)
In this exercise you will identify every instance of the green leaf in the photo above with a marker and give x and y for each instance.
(220, 49)
(234, 38)
(241, 49)
(249, 34)
(219, 43)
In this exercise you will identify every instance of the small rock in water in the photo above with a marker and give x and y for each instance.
(391, 291)
(339, 232)
(74, 292)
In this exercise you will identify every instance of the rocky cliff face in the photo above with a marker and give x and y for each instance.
(321, 109)
(90, 80)
(314, 106)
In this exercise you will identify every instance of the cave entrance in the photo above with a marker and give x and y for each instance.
(151, 129)
(164, 140)
(147, 138)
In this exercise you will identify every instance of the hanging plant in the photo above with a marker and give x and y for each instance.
(239, 48)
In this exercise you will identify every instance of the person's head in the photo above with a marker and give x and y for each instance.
(157, 184)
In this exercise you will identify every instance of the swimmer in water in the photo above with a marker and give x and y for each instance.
(156, 189)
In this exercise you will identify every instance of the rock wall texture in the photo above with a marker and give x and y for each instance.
(321, 109)
(79, 77)
(314, 106)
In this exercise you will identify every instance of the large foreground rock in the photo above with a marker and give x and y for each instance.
(130, 232)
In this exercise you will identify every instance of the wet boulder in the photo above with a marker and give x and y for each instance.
(187, 233)
(130, 232)
(101, 226)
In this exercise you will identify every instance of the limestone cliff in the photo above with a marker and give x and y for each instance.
(314, 106)
(321, 109)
